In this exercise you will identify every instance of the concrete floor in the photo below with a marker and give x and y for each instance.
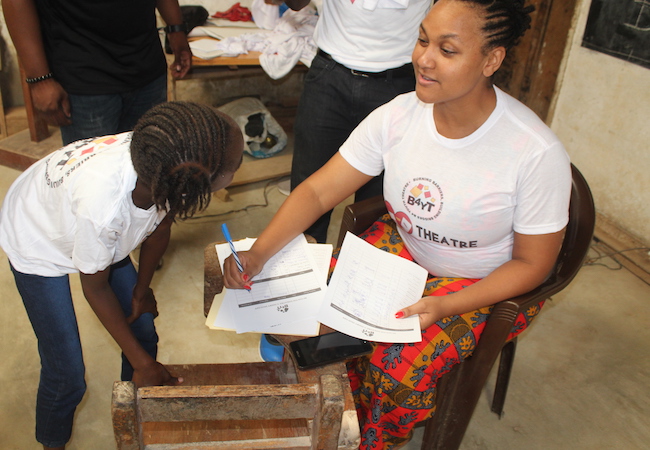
(580, 379)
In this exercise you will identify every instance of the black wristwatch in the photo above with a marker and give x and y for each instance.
(176, 28)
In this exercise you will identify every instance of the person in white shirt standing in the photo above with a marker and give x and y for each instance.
(363, 61)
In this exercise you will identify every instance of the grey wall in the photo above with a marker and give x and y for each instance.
(601, 114)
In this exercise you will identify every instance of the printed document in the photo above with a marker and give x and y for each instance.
(285, 296)
(367, 288)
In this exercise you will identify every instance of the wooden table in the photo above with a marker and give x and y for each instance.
(220, 67)
(215, 68)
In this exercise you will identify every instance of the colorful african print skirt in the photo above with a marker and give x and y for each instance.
(395, 387)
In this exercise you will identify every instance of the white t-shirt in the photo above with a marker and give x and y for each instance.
(370, 35)
(458, 202)
(72, 211)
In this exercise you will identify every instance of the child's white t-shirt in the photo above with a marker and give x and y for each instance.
(72, 211)
(458, 202)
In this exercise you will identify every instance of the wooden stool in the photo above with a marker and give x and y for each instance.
(236, 406)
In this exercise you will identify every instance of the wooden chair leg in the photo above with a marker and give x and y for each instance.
(125, 421)
(38, 129)
(460, 389)
(327, 423)
(503, 376)
(3, 120)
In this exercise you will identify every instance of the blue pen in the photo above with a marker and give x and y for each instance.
(226, 234)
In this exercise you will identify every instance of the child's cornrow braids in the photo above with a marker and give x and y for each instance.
(179, 148)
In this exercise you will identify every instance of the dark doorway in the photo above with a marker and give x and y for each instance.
(530, 70)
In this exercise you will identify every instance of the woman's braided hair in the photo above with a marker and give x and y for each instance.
(179, 149)
(506, 21)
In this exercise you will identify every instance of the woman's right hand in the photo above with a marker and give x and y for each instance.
(233, 278)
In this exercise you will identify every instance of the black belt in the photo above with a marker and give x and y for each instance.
(399, 72)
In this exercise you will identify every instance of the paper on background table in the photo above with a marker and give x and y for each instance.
(367, 288)
(214, 21)
(224, 32)
(205, 48)
(225, 307)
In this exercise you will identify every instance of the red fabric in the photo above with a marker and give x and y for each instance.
(236, 13)
(395, 386)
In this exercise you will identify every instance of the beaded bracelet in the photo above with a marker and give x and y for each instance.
(37, 79)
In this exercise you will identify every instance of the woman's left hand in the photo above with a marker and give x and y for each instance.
(428, 308)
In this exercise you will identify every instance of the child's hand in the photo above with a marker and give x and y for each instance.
(141, 304)
(154, 374)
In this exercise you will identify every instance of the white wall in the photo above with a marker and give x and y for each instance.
(602, 114)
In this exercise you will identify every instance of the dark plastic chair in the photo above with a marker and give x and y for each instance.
(460, 389)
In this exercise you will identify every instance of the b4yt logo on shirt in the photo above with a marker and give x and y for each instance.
(62, 164)
(422, 198)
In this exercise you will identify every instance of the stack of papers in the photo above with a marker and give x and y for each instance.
(367, 288)
(290, 295)
(285, 296)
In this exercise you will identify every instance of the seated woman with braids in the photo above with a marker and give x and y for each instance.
(477, 188)
(83, 209)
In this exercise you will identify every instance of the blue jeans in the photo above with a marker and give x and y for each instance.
(101, 115)
(62, 385)
(333, 102)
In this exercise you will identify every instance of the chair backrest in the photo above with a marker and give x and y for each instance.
(580, 230)
(577, 239)
(358, 216)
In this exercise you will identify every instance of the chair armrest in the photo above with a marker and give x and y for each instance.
(551, 286)
(358, 216)
(212, 276)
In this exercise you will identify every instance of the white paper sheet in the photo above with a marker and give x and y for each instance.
(288, 303)
(223, 32)
(367, 288)
(206, 48)
(214, 21)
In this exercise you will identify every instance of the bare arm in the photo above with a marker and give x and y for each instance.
(170, 11)
(49, 98)
(533, 258)
(102, 299)
(325, 189)
(151, 251)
